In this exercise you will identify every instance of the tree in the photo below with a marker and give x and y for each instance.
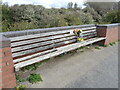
(5, 11)
(113, 17)
(70, 5)
(97, 18)
(101, 7)
(75, 5)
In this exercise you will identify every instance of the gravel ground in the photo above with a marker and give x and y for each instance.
(89, 69)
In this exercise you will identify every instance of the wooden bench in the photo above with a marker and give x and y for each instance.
(32, 46)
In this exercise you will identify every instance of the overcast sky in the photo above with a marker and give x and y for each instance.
(46, 3)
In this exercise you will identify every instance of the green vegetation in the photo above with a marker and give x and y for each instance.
(60, 55)
(32, 67)
(19, 79)
(34, 78)
(97, 48)
(82, 51)
(106, 45)
(21, 87)
(112, 17)
(23, 17)
(112, 43)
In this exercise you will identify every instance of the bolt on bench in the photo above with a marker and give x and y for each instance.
(32, 46)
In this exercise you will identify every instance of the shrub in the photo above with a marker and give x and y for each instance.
(32, 67)
(19, 79)
(34, 78)
(22, 87)
(22, 26)
(106, 45)
(112, 17)
(97, 48)
(112, 43)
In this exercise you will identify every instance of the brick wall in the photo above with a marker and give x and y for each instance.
(7, 74)
(110, 31)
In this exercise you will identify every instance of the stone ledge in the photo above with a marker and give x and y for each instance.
(41, 30)
(4, 42)
(108, 25)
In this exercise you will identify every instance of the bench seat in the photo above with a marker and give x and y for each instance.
(31, 59)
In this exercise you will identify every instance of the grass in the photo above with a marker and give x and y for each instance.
(19, 79)
(31, 67)
(97, 48)
(106, 45)
(59, 55)
(82, 51)
(34, 66)
(112, 43)
(22, 87)
(34, 78)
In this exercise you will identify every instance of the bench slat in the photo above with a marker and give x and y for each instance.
(46, 34)
(34, 55)
(90, 36)
(45, 38)
(38, 49)
(39, 44)
(39, 35)
(39, 40)
(89, 31)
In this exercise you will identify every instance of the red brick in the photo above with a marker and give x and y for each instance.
(7, 54)
(6, 49)
(7, 68)
(6, 64)
(4, 59)
(111, 34)
(8, 79)
(0, 86)
(10, 84)
(1, 54)
(11, 75)
(6, 73)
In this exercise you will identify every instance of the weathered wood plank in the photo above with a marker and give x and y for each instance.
(46, 34)
(16, 54)
(60, 51)
(92, 33)
(90, 36)
(39, 40)
(45, 38)
(39, 35)
(88, 28)
(89, 31)
(37, 49)
(34, 55)
(40, 44)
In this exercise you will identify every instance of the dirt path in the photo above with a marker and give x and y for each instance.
(89, 69)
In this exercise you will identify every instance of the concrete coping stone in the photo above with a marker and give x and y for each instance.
(108, 25)
(4, 41)
(41, 30)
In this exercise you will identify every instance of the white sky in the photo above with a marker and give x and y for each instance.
(46, 3)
